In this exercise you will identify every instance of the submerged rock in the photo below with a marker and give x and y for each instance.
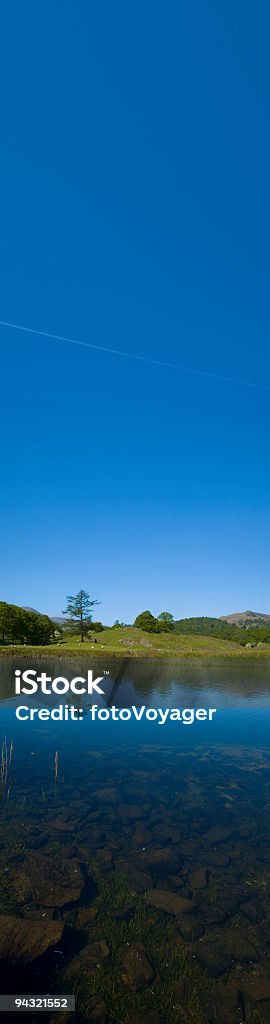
(218, 834)
(213, 958)
(55, 882)
(169, 902)
(218, 859)
(96, 1010)
(264, 855)
(139, 879)
(253, 911)
(223, 1005)
(107, 794)
(249, 828)
(26, 940)
(199, 878)
(162, 858)
(142, 836)
(239, 946)
(190, 928)
(88, 961)
(214, 914)
(175, 881)
(63, 824)
(85, 916)
(256, 988)
(137, 971)
(226, 905)
(130, 811)
(124, 913)
(190, 848)
(95, 953)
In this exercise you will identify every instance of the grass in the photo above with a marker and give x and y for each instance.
(133, 642)
(158, 932)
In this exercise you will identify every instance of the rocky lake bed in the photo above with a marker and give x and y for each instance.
(137, 877)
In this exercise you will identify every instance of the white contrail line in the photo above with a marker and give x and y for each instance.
(133, 355)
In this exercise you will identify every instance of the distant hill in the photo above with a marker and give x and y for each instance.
(26, 608)
(249, 631)
(58, 619)
(247, 618)
(199, 624)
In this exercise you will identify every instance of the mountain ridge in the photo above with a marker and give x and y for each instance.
(245, 618)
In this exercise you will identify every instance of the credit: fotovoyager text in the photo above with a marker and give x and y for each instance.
(186, 716)
(159, 715)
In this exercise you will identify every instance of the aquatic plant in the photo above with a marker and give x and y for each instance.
(6, 759)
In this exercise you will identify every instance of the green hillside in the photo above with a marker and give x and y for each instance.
(205, 626)
(134, 642)
(23, 630)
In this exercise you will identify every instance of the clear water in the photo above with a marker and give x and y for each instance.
(135, 858)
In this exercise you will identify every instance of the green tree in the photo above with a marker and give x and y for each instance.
(40, 629)
(17, 625)
(147, 621)
(78, 611)
(166, 622)
(7, 620)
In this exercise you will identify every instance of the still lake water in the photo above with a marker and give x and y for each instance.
(135, 858)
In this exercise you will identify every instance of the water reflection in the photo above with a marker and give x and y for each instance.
(142, 680)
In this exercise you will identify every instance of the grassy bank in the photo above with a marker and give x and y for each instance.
(137, 643)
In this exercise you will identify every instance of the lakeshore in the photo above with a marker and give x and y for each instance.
(133, 643)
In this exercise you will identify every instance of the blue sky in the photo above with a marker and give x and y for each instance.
(135, 215)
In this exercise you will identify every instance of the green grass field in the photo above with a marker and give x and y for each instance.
(137, 643)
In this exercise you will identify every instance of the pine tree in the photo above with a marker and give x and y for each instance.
(78, 611)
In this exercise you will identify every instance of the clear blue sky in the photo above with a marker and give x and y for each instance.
(135, 168)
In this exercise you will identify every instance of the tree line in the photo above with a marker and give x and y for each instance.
(164, 622)
(24, 627)
(222, 630)
(19, 625)
(204, 626)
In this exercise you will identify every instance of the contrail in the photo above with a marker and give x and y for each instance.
(133, 355)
